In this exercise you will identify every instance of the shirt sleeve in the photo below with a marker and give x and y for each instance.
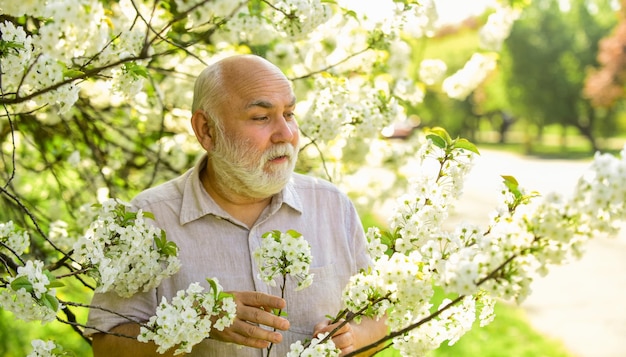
(357, 232)
(108, 310)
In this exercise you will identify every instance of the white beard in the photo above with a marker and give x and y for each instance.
(248, 172)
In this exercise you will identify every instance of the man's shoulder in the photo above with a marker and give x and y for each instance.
(308, 182)
(166, 191)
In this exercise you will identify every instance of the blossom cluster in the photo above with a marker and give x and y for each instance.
(297, 18)
(40, 60)
(498, 28)
(125, 252)
(188, 318)
(12, 239)
(432, 71)
(282, 254)
(460, 84)
(526, 235)
(334, 111)
(30, 295)
(200, 12)
(43, 349)
(319, 346)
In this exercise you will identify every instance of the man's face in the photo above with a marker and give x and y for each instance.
(249, 171)
(257, 151)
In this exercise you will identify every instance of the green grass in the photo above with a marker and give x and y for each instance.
(510, 334)
(550, 146)
(543, 151)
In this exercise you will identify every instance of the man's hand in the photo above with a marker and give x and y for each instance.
(352, 336)
(253, 309)
(343, 338)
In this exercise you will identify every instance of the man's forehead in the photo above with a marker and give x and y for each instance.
(268, 103)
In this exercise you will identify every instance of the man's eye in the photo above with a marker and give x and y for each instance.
(290, 115)
(260, 118)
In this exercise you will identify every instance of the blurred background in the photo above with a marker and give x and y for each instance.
(554, 100)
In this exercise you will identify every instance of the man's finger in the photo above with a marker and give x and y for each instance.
(258, 299)
(244, 333)
(262, 317)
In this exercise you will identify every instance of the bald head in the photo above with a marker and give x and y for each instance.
(226, 78)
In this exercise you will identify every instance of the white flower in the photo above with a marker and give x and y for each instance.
(281, 254)
(316, 348)
(33, 271)
(497, 28)
(375, 247)
(464, 81)
(28, 294)
(128, 255)
(432, 71)
(409, 91)
(42, 349)
(187, 319)
(14, 239)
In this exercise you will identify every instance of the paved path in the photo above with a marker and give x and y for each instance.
(583, 304)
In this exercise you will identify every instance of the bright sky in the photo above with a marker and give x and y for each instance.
(450, 11)
(453, 11)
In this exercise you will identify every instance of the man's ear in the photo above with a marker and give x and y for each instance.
(203, 128)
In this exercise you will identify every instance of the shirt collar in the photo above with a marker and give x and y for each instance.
(197, 203)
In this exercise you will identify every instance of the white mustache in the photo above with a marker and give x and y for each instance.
(279, 150)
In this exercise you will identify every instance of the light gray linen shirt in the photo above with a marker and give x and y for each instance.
(213, 244)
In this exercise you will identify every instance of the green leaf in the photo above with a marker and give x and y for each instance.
(50, 302)
(510, 181)
(437, 140)
(466, 145)
(170, 249)
(274, 234)
(55, 284)
(213, 286)
(279, 312)
(441, 132)
(222, 295)
(294, 234)
(159, 242)
(6, 46)
(129, 216)
(136, 70)
(149, 215)
(386, 237)
(164, 246)
(72, 73)
(22, 283)
(166, 5)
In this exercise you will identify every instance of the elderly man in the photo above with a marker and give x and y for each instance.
(243, 117)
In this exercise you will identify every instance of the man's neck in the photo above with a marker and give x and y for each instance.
(245, 209)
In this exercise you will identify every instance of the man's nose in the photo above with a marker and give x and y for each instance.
(284, 130)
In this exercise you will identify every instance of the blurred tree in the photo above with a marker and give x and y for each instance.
(604, 85)
(454, 44)
(546, 57)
